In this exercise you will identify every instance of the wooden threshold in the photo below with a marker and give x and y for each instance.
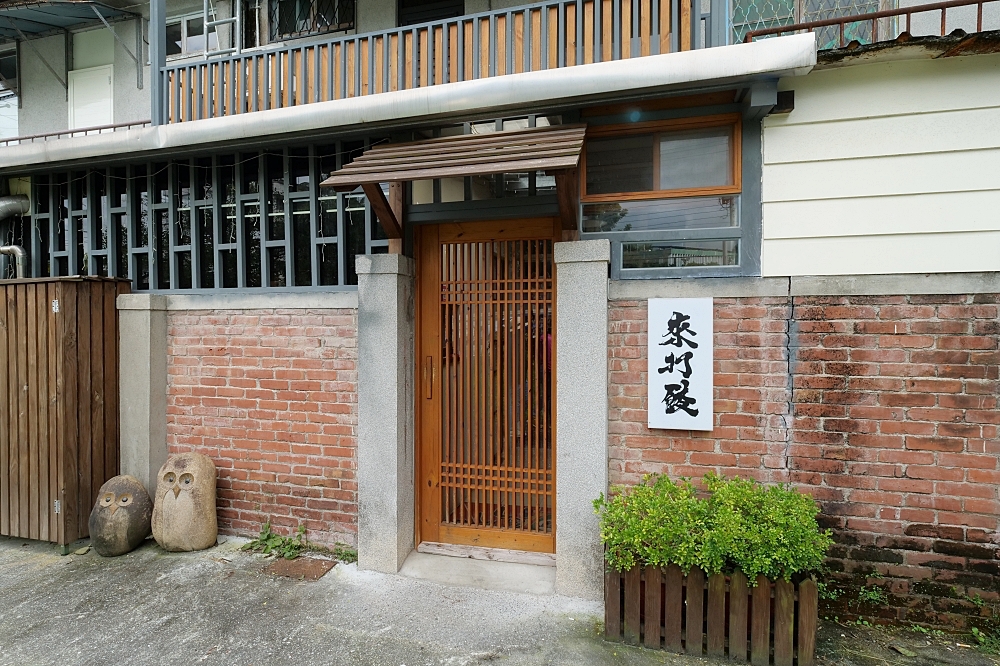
(490, 554)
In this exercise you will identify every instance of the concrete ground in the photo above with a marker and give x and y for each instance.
(220, 607)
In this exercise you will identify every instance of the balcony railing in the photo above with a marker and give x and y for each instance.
(524, 39)
(931, 20)
(80, 131)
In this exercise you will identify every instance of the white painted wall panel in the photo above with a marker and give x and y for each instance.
(866, 255)
(905, 174)
(904, 87)
(932, 132)
(885, 168)
(865, 216)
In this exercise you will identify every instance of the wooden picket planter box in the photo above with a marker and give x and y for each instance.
(773, 622)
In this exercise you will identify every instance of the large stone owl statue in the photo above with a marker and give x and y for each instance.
(120, 519)
(184, 505)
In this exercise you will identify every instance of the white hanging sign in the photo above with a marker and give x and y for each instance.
(680, 375)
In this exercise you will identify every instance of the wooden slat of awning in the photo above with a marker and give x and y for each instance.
(538, 149)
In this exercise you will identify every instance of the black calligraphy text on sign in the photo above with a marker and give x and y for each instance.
(680, 350)
(679, 334)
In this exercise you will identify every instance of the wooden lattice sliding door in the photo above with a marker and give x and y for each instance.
(486, 440)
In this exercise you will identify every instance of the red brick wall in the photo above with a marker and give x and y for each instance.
(883, 408)
(271, 397)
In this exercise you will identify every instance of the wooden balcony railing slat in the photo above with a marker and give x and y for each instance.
(558, 33)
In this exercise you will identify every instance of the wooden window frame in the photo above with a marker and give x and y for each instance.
(733, 120)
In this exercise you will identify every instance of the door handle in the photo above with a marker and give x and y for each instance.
(428, 377)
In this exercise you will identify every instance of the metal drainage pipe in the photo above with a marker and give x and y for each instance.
(18, 252)
(14, 205)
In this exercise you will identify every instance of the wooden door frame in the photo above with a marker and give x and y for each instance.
(425, 253)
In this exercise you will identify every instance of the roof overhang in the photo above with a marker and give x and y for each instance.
(767, 59)
(554, 149)
(540, 149)
(906, 47)
(19, 20)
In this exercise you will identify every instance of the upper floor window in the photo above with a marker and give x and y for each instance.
(8, 94)
(667, 194)
(411, 12)
(298, 18)
(187, 36)
(748, 15)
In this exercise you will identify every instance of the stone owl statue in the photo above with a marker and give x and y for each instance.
(184, 504)
(120, 519)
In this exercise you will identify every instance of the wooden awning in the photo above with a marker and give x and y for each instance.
(540, 149)
(552, 149)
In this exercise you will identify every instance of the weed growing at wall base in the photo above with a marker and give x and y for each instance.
(267, 542)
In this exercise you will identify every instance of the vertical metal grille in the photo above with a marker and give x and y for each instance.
(231, 221)
(497, 455)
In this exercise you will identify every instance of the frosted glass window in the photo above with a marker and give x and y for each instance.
(696, 158)
(660, 161)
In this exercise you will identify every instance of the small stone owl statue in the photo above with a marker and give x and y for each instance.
(184, 510)
(120, 519)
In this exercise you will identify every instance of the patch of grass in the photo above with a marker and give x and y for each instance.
(340, 551)
(986, 631)
(828, 592)
(873, 594)
(988, 641)
(291, 547)
(267, 542)
(917, 629)
(977, 600)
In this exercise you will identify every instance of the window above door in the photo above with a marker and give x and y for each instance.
(663, 159)
(668, 196)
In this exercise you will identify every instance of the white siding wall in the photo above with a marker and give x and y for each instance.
(885, 168)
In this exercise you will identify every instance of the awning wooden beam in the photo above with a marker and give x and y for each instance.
(568, 194)
(382, 209)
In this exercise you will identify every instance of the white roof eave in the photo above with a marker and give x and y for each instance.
(769, 58)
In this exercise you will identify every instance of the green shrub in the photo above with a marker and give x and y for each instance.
(762, 530)
(738, 525)
(655, 523)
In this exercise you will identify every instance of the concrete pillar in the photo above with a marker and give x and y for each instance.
(142, 326)
(581, 413)
(385, 410)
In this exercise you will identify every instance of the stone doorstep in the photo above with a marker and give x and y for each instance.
(480, 573)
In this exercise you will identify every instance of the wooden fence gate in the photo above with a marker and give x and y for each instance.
(486, 445)
(58, 403)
